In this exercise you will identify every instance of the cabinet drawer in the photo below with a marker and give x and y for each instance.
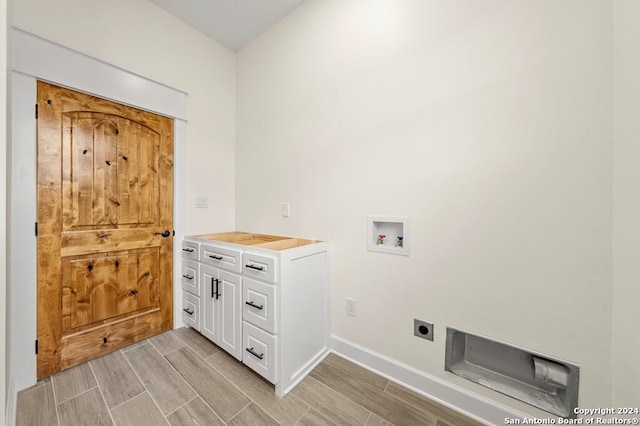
(259, 266)
(259, 352)
(221, 257)
(191, 310)
(190, 250)
(258, 304)
(190, 280)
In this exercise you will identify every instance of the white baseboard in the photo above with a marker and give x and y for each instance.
(457, 398)
(12, 400)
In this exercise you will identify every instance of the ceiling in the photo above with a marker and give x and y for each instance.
(232, 23)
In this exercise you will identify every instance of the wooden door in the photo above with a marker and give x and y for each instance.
(105, 226)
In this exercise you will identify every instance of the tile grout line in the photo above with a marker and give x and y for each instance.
(215, 369)
(145, 386)
(181, 376)
(183, 405)
(55, 404)
(75, 396)
(224, 377)
(137, 377)
(240, 390)
(324, 385)
(101, 394)
(292, 395)
(244, 408)
(219, 372)
(368, 418)
(382, 391)
(301, 417)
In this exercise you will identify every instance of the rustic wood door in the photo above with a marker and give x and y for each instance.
(105, 226)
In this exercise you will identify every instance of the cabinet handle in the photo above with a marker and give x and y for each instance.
(214, 288)
(187, 311)
(254, 305)
(257, 268)
(215, 257)
(188, 250)
(252, 352)
(188, 277)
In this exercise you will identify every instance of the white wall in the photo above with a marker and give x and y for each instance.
(626, 243)
(489, 124)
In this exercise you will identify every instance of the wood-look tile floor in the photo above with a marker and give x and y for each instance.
(181, 378)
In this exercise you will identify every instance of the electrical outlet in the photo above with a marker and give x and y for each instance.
(423, 329)
(351, 307)
(285, 209)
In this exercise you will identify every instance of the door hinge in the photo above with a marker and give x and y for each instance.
(36, 111)
(36, 346)
(36, 229)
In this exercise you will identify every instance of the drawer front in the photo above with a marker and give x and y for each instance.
(190, 250)
(258, 304)
(259, 351)
(191, 310)
(259, 266)
(190, 279)
(221, 257)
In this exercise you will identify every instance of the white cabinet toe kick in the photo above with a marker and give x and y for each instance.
(262, 298)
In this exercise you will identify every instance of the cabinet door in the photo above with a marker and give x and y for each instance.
(230, 307)
(210, 288)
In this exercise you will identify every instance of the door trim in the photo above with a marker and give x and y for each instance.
(66, 67)
(22, 255)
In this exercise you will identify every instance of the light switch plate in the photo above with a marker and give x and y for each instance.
(202, 202)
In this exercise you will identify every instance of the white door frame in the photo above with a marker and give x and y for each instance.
(35, 58)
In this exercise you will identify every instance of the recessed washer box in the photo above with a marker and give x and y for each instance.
(544, 382)
(388, 234)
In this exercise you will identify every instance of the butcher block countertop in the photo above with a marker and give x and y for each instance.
(269, 242)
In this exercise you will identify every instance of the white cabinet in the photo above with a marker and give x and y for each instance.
(191, 284)
(221, 308)
(264, 299)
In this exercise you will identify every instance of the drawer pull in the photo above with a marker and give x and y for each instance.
(215, 257)
(187, 311)
(188, 250)
(252, 352)
(188, 277)
(257, 268)
(254, 305)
